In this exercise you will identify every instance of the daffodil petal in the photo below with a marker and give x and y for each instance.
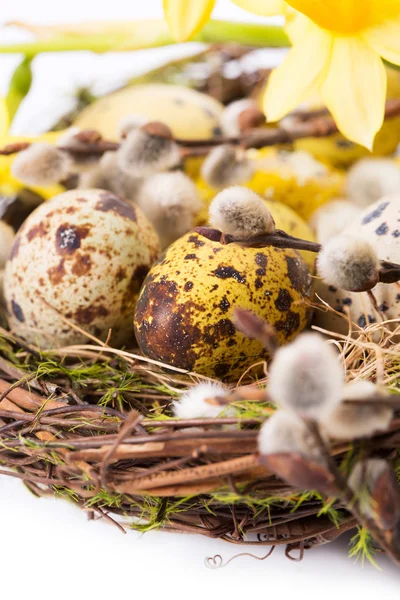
(385, 40)
(264, 8)
(186, 17)
(301, 72)
(4, 118)
(355, 90)
(296, 25)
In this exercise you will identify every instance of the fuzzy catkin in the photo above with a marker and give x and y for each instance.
(306, 377)
(349, 263)
(240, 212)
(372, 178)
(130, 123)
(170, 201)
(108, 176)
(193, 403)
(79, 163)
(349, 421)
(229, 119)
(142, 154)
(225, 166)
(284, 432)
(41, 164)
(362, 480)
(332, 219)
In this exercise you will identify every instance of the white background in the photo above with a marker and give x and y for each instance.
(48, 549)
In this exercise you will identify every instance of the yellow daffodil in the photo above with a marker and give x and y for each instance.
(185, 18)
(338, 46)
(337, 49)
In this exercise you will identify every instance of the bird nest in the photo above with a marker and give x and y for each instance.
(94, 425)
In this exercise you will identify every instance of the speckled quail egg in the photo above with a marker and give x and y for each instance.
(80, 257)
(189, 114)
(184, 313)
(379, 224)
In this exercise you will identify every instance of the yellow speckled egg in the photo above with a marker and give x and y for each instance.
(82, 256)
(378, 224)
(189, 114)
(184, 313)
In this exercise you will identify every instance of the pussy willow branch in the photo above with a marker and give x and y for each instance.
(389, 272)
(349, 499)
(296, 126)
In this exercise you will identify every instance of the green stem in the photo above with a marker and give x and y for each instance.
(248, 34)
(151, 34)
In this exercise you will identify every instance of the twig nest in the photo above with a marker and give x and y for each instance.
(79, 259)
(379, 226)
(239, 212)
(226, 165)
(306, 377)
(41, 164)
(198, 402)
(349, 262)
(351, 421)
(333, 218)
(170, 201)
(240, 116)
(6, 241)
(372, 178)
(186, 306)
(147, 150)
(107, 175)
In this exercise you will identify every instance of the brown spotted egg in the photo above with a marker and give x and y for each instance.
(379, 224)
(80, 258)
(184, 316)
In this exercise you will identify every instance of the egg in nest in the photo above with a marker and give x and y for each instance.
(81, 257)
(378, 224)
(185, 310)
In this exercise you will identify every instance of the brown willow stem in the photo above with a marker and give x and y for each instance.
(388, 273)
(294, 127)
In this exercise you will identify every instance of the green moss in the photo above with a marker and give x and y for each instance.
(362, 547)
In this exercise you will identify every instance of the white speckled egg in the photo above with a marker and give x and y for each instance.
(379, 224)
(82, 256)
